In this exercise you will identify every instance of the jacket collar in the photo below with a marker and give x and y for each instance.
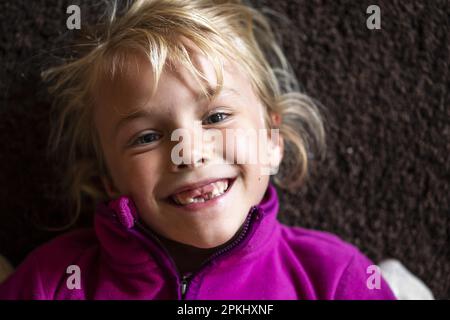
(116, 225)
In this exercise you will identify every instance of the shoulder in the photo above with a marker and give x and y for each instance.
(68, 246)
(42, 271)
(335, 268)
(311, 242)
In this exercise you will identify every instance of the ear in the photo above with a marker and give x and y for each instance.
(279, 143)
(275, 119)
(276, 144)
(110, 189)
(276, 149)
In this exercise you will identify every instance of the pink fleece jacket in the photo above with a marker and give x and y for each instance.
(120, 258)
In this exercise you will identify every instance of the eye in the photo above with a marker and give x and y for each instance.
(147, 138)
(216, 117)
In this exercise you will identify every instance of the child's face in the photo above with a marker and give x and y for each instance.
(145, 170)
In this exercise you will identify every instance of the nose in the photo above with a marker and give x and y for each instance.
(188, 152)
(197, 160)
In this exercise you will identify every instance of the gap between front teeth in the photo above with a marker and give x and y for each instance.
(219, 189)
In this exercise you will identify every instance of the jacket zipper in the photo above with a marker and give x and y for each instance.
(155, 238)
(185, 279)
(184, 285)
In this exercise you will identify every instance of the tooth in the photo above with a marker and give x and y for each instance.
(219, 187)
(183, 201)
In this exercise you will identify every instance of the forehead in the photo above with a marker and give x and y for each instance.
(132, 86)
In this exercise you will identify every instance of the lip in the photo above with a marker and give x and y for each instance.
(200, 205)
(196, 185)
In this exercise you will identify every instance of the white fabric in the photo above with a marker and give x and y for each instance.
(403, 283)
(5, 269)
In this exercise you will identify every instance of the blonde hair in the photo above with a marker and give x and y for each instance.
(218, 28)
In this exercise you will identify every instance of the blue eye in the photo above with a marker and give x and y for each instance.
(147, 138)
(215, 118)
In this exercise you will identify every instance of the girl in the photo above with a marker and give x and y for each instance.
(177, 219)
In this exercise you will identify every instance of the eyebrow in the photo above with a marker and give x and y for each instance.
(145, 113)
(135, 115)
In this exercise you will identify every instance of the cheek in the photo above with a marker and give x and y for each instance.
(243, 141)
(139, 173)
(143, 167)
(245, 145)
(254, 183)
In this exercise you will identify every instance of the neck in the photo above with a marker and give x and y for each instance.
(189, 258)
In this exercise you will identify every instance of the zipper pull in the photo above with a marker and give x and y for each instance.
(184, 285)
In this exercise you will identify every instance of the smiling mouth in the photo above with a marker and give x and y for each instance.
(202, 194)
